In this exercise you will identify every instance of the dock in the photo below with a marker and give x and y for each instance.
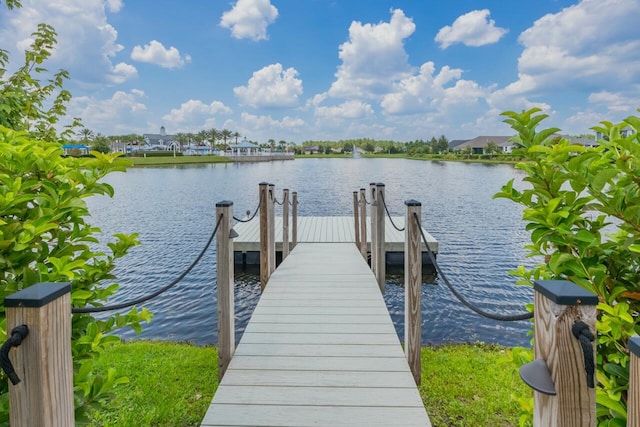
(319, 349)
(332, 229)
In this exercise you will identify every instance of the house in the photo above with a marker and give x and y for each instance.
(624, 132)
(313, 149)
(479, 144)
(453, 145)
(160, 141)
(75, 149)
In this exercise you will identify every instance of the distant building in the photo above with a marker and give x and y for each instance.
(160, 141)
(74, 149)
(479, 144)
(624, 132)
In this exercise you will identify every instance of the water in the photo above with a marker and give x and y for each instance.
(173, 210)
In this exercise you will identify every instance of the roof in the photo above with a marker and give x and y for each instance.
(456, 142)
(244, 144)
(158, 138)
(78, 146)
(482, 141)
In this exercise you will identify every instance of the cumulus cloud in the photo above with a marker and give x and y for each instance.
(85, 49)
(373, 57)
(194, 112)
(114, 5)
(353, 109)
(471, 29)
(590, 45)
(114, 115)
(272, 86)
(266, 122)
(249, 19)
(156, 53)
(618, 102)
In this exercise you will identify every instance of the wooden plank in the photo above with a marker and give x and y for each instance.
(322, 379)
(305, 328)
(314, 363)
(320, 338)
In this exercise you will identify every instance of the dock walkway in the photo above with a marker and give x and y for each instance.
(320, 349)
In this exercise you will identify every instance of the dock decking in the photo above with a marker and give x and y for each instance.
(320, 349)
(332, 229)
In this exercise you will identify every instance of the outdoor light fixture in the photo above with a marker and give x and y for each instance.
(233, 234)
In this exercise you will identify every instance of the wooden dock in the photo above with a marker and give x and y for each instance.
(320, 349)
(332, 229)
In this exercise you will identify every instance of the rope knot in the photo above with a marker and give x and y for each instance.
(17, 335)
(582, 332)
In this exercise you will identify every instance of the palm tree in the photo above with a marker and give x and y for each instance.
(181, 138)
(214, 135)
(86, 134)
(272, 144)
(236, 134)
(225, 135)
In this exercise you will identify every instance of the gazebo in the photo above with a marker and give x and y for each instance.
(244, 148)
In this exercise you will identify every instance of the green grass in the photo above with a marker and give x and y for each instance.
(172, 385)
(179, 160)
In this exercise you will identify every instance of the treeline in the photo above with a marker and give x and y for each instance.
(368, 145)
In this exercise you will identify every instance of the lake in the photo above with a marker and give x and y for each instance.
(173, 210)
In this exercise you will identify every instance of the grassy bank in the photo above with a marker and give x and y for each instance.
(172, 385)
(179, 160)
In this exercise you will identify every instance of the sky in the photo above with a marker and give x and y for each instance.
(299, 70)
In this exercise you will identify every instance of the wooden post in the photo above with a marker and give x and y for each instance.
(633, 396)
(272, 228)
(264, 235)
(374, 211)
(558, 305)
(363, 223)
(285, 223)
(44, 396)
(225, 282)
(413, 288)
(380, 241)
(356, 219)
(294, 220)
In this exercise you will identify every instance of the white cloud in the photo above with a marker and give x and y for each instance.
(156, 53)
(272, 86)
(249, 19)
(266, 122)
(85, 49)
(618, 102)
(373, 57)
(114, 6)
(591, 45)
(193, 114)
(111, 116)
(348, 110)
(471, 29)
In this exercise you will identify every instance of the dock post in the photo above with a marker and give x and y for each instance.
(356, 219)
(413, 289)
(264, 235)
(363, 223)
(294, 219)
(225, 282)
(44, 394)
(633, 400)
(285, 223)
(561, 306)
(380, 241)
(374, 211)
(272, 228)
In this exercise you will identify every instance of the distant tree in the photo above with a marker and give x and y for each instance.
(181, 138)
(214, 136)
(369, 147)
(101, 144)
(282, 144)
(236, 135)
(272, 144)
(491, 148)
(226, 135)
(86, 134)
(442, 146)
(468, 151)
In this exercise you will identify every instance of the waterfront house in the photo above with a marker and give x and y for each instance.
(160, 141)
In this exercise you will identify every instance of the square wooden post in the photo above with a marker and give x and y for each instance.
(44, 396)
(413, 289)
(363, 223)
(272, 228)
(264, 235)
(381, 258)
(559, 304)
(294, 219)
(374, 229)
(356, 219)
(285, 223)
(633, 396)
(225, 282)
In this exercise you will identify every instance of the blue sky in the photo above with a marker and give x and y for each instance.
(296, 70)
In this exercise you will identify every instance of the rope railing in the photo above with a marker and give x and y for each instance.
(100, 309)
(251, 217)
(500, 317)
(389, 215)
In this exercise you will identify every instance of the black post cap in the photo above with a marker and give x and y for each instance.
(224, 204)
(372, 183)
(264, 183)
(564, 292)
(380, 184)
(634, 345)
(412, 202)
(37, 295)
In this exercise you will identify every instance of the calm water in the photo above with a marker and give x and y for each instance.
(173, 210)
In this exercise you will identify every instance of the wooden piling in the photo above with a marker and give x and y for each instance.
(633, 395)
(285, 223)
(356, 219)
(225, 282)
(558, 305)
(374, 211)
(380, 237)
(294, 219)
(264, 235)
(413, 288)
(44, 396)
(363, 223)
(272, 229)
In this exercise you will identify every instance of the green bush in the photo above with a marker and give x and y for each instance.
(582, 207)
(156, 154)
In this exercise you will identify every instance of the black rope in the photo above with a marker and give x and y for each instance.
(17, 335)
(252, 216)
(277, 202)
(503, 318)
(582, 332)
(389, 215)
(83, 310)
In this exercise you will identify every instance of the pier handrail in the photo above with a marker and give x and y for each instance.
(389, 215)
(251, 217)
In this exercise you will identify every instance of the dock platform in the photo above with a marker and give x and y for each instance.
(319, 349)
(332, 229)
